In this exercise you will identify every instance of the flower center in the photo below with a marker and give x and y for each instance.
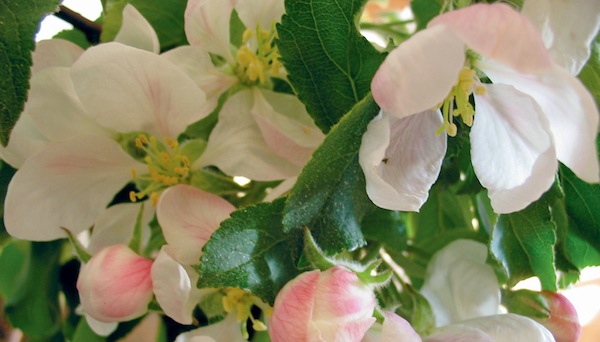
(241, 302)
(167, 166)
(258, 57)
(457, 103)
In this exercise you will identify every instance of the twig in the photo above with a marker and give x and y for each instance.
(91, 29)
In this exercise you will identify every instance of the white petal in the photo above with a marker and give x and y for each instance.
(197, 64)
(499, 33)
(188, 217)
(500, 328)
(570, 109)
(69, 184)
(401, 159)
(419, 74)
(101, 328)
(459, 284)
(25, 141)
(173, 288)
(285, 125)
(132, 90)
(115, 225)
(207, 26)
(511, 148)
(263, 12)
(56, 109)
(236, 144)
(136, 31)
(568, 29)
(226, 330)
(54, 53)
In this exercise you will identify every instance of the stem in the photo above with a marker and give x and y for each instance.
(91, 29)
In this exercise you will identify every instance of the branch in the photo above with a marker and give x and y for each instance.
(91, 29)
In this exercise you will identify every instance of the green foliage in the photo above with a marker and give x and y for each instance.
(424, 11)
(165, 16)
(590, 74)
(18, 25)
(523, 242)
(329, 196)
(330, 64)
(250, 250)
(32, 304)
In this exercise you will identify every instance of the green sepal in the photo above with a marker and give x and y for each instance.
(314, 254)
(526, 303)
(136, 240)
(80, 251)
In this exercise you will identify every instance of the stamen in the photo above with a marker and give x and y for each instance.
(254, 65)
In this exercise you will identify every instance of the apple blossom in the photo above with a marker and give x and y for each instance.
(331, 305)
(115, 285)
(260, 134)
(393, 328)
(533, 114)
(120, 89)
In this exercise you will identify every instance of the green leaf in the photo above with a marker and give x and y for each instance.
(582, 202)
(330, 64)
(386, 227)
(251, 251)
(329, 196)
(34, 308)
(424, 11)
(14, 258)
(523, 243)
(84, 333)
(18, 25)
(590, 74)
(74, 36)
(165, 16)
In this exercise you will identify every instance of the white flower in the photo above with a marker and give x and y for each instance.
(113, 89)
(532, 115)
(260, 134)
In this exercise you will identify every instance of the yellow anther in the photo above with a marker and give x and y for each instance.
(173, 144)
(248, 33)
(132, 197)
(134, 174)
(451, 129)
(245, 56)
(259, 326)
(166, 159)
(184, 171)
(185, 161)
(154, 198)
(480, 90)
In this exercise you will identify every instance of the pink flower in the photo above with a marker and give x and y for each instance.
(563, 321)
(115, 285)
(333, 305)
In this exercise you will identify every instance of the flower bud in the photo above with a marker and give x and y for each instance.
(551, 309)
(115, 285)
(331, 305)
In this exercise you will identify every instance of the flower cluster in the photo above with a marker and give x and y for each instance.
(212, 182)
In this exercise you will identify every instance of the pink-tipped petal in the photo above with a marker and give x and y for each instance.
(133, 90)
(188, 217)
(293, 308)
(394, 328)
(136, 31)
(115, 285)
(228, 329)
(570, 109)
(459, 285)
(207, 26)
(499, 33)
(419, 73)
(567, 27)
(237, 147)
(285, 126)
(511, 148)
(401, 159)
(54, 53)
(174, 290)
(69, 184)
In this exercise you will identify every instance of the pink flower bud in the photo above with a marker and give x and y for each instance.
(115, 285)
(563, 321)
(333, 305)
